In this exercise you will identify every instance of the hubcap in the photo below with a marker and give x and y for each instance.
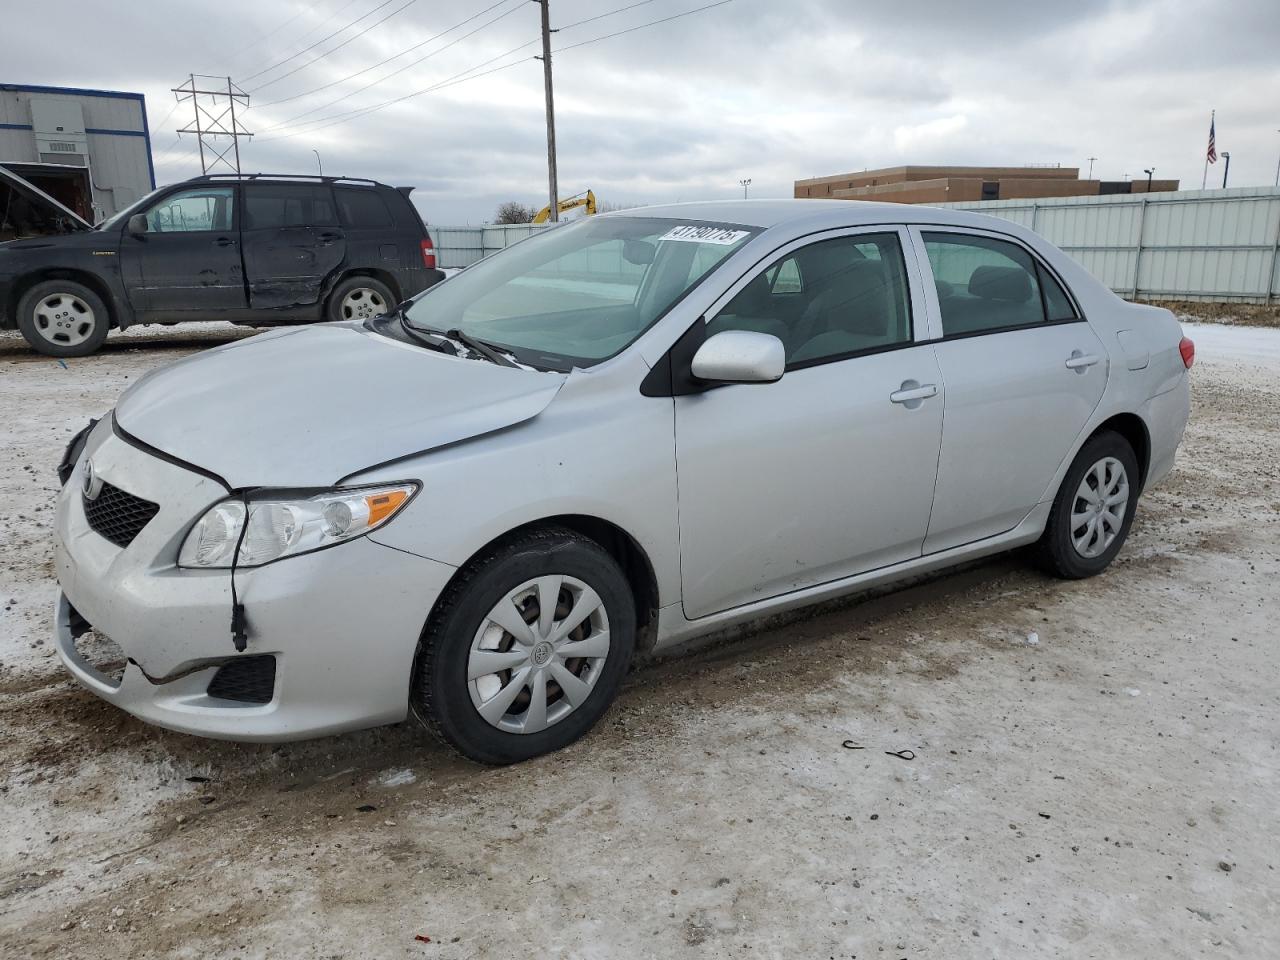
(1097, 513)
(363, 303)
(538, 654)
(64, 319)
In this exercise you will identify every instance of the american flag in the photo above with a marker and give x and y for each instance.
(1213, 150)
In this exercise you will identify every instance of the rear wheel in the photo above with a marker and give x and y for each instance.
(1094, 509)
(360, 298)
(62, 318)
(526, 649)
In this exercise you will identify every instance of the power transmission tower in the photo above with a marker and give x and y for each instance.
(215, 118)
(552, 185)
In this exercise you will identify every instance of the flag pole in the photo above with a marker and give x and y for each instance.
(1204, 180)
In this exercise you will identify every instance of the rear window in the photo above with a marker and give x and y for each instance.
(362, 208)
(268, 205)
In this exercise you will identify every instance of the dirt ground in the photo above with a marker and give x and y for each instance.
(1107, 791)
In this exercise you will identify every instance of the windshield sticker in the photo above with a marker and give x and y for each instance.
(692, 234)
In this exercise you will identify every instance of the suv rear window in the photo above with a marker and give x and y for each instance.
(288, 205)
(362, 208)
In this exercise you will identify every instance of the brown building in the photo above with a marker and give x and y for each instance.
(955, 184)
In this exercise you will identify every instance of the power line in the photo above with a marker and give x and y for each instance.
(315, 60)
(330, 36)
(292, 121)
(271, 33)
(299, 96)
(321, 123)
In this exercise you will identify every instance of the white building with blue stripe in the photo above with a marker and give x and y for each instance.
(91, 149)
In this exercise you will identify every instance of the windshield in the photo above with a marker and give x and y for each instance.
(576, 295)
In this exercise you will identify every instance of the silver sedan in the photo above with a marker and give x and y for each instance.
(611, 438)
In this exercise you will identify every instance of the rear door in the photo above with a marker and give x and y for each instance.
(292, 242)
(188, 261)
(1023, 372)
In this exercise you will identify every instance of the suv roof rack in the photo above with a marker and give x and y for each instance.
(312, 177)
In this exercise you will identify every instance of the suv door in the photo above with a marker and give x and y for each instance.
(1024, 372)
(188, 261)
(292, 242)
(829, 471)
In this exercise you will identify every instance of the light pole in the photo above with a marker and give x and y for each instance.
(1150, 173)
(1090, 176)
(1226, 168)
(1278, 169)
(318, 163)
(744, 184)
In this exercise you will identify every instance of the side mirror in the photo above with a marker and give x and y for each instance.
(639, 252)
(137, 224)
(740, 356)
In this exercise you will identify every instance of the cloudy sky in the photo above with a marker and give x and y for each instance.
(683, 110)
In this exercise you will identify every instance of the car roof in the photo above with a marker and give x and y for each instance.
(813, 214)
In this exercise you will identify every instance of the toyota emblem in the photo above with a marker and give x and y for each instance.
(92, 482)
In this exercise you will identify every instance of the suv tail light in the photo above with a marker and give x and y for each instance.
(1187, 347)
(429, 255)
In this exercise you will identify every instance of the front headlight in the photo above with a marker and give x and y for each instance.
(283, 527)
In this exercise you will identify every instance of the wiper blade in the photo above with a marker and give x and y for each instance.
(485, 350)
(432, 340)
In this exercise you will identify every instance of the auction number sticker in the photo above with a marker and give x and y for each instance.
(692, 234)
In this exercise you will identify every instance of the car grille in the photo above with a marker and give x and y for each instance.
(247, 680)
(117, 515)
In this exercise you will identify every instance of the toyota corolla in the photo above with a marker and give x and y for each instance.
(611, 438)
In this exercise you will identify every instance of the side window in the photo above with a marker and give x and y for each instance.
(362, 208)
(827, 300)
(193, 211)
(983, 284)
(269, 205)
(1056, 302)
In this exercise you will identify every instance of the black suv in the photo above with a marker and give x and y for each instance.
(256, 249)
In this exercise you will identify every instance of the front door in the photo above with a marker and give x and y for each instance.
(829, 471)
(1024, 373)
(188, 261)
(292, 243)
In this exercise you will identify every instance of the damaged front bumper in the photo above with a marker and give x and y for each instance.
(339, 627)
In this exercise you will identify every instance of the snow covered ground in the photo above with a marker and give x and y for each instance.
(1108, 791)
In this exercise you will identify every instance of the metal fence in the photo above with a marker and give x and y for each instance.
(1189, 245)
(463, 246)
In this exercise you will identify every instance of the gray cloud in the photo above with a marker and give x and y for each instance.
(753, 89)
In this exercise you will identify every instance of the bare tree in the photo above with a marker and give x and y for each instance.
(513, 211)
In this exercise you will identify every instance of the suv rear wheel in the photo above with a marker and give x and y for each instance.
(359, 298)
(62, 318)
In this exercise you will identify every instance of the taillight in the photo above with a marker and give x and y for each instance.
(1187, 347)
(429, 255)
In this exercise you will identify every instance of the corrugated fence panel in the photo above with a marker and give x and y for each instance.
(1193, 245)
(463, 246)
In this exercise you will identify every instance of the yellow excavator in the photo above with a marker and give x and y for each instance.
(587, 200)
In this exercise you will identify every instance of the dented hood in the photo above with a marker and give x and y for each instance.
(309, 406)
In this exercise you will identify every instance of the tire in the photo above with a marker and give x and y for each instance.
(449, 701)
(359, 298)
(1067, 549)
(62, 318)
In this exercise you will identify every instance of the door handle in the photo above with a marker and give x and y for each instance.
(224, 242)
(1081, 361)
(911, 393)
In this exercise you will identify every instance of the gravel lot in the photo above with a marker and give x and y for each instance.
(1109, 791)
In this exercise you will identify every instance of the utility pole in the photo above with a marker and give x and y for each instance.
(1090, 176)
(744, 184)
(212, 121)
(1226, 168)
(552, 186)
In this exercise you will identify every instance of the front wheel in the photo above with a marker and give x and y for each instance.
(1093, 511)
(62, 318)
(526, 649)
